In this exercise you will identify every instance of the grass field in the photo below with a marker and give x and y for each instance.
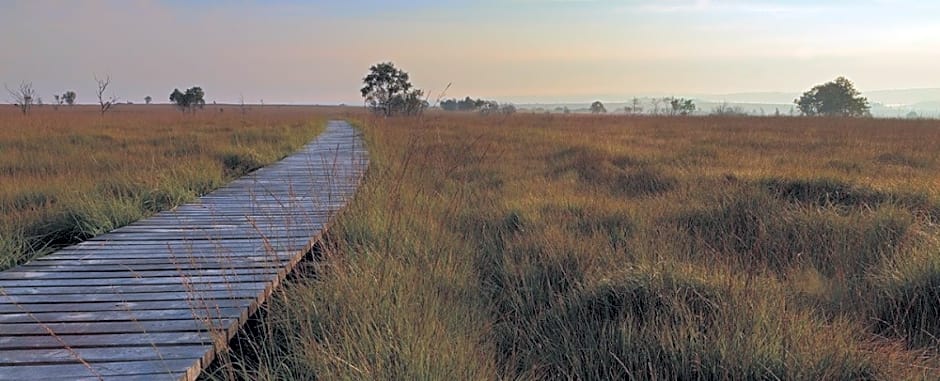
(70, 174)
(581, 247)
(541, 246)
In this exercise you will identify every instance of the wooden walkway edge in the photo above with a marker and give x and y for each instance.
(155, 300)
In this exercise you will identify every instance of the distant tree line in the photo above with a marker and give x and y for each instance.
(670, 106)
(724, 109)
(479, 105)
(387, 91)
(837, 98)
(466, 104)
(25, 96)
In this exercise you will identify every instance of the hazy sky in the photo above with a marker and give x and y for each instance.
(510, 50)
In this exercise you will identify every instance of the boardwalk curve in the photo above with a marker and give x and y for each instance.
(157, 298)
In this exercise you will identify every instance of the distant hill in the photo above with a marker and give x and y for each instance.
(761, 97)
(904, 97)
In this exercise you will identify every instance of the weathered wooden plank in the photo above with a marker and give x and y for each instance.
(76, 274)
(97, 355)
(186, 248)
(208, 226)
(59, 317)
(138, 289)
(105, 340)
(241, 278)
(97, 327)
(254, 254)
(196, 236)
(231, 222)
(136, 265)
(182, 281)
(135, 257)
(157, 251)
(195, 303)
(277, 242)
(135, 377)
(28, 300)
(170, 367)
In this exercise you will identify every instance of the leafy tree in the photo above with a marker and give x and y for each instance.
(387, 90)
(179, 98)
(598, 108)
(836, 98)
(148, 99)
(409, 103)
(196, 96)
(69, 97)
(190, 100)
(681, 106)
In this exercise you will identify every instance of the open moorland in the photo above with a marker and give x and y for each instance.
(541, 246)
(612, 247)
(72, 173)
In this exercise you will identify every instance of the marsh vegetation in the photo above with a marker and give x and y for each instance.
(596, 247)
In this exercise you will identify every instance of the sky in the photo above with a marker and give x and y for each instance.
(523, 51)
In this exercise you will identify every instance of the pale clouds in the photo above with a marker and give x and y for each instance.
(518, 50)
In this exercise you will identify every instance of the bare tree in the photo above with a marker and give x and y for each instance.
(23, 96)
(105, 103)
(657, 103)
(636, 106)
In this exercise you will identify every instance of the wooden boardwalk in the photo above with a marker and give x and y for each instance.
(156, 299)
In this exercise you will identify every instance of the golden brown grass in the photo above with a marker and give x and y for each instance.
(545, 246)
(581, 247)
(69, 174)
